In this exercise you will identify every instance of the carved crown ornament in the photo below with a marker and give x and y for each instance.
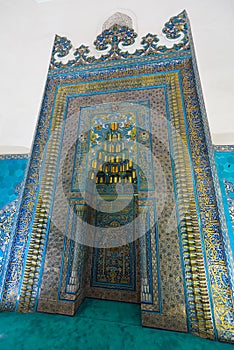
(113, 43)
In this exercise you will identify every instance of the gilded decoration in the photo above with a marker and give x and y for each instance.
(224, 157)
(229, 186)
(184, 278)
(7, 219)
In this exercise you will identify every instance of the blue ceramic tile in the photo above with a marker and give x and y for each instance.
(11, 174)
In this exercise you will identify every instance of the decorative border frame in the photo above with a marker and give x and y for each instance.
(84, 66)
(222, 208)
(224, 148)
(14, 156)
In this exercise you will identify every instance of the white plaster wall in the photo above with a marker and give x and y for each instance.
(27, 29)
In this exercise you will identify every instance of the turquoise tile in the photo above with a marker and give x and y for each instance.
(11, 174)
